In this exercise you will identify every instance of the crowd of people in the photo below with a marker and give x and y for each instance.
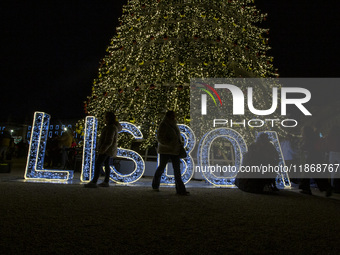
(314, 148)
(10, 149)
(306, 149)
(61, 151)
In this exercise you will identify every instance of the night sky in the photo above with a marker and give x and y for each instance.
(50, 50)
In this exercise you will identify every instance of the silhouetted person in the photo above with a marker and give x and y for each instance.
(289, 153)
(333, 148)
(169, 142)
(5, 143)
(107, 147)
(55, 151)
(49, 153)
(262, 152)
(311, 154)
(22, 149)
(288, 150)
(65, 142)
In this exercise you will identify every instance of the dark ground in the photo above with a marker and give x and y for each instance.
(42, 218)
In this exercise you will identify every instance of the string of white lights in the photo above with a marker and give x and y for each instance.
(89, 149)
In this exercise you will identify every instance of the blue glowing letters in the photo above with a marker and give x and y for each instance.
(203, 155)
(39, 134)
(89, 149)
(89, 154)
(36, 154)
(139, 169)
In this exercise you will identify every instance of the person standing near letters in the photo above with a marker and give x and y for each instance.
(311, 154)
(107, 148)
(261, 153)
(169, 142)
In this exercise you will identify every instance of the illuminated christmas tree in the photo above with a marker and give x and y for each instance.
(160, 45)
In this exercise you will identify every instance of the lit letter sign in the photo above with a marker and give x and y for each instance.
(203, 155)
(138, 172)
(89, 149)
(89, 154)
(39, 133)
(36, 154)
